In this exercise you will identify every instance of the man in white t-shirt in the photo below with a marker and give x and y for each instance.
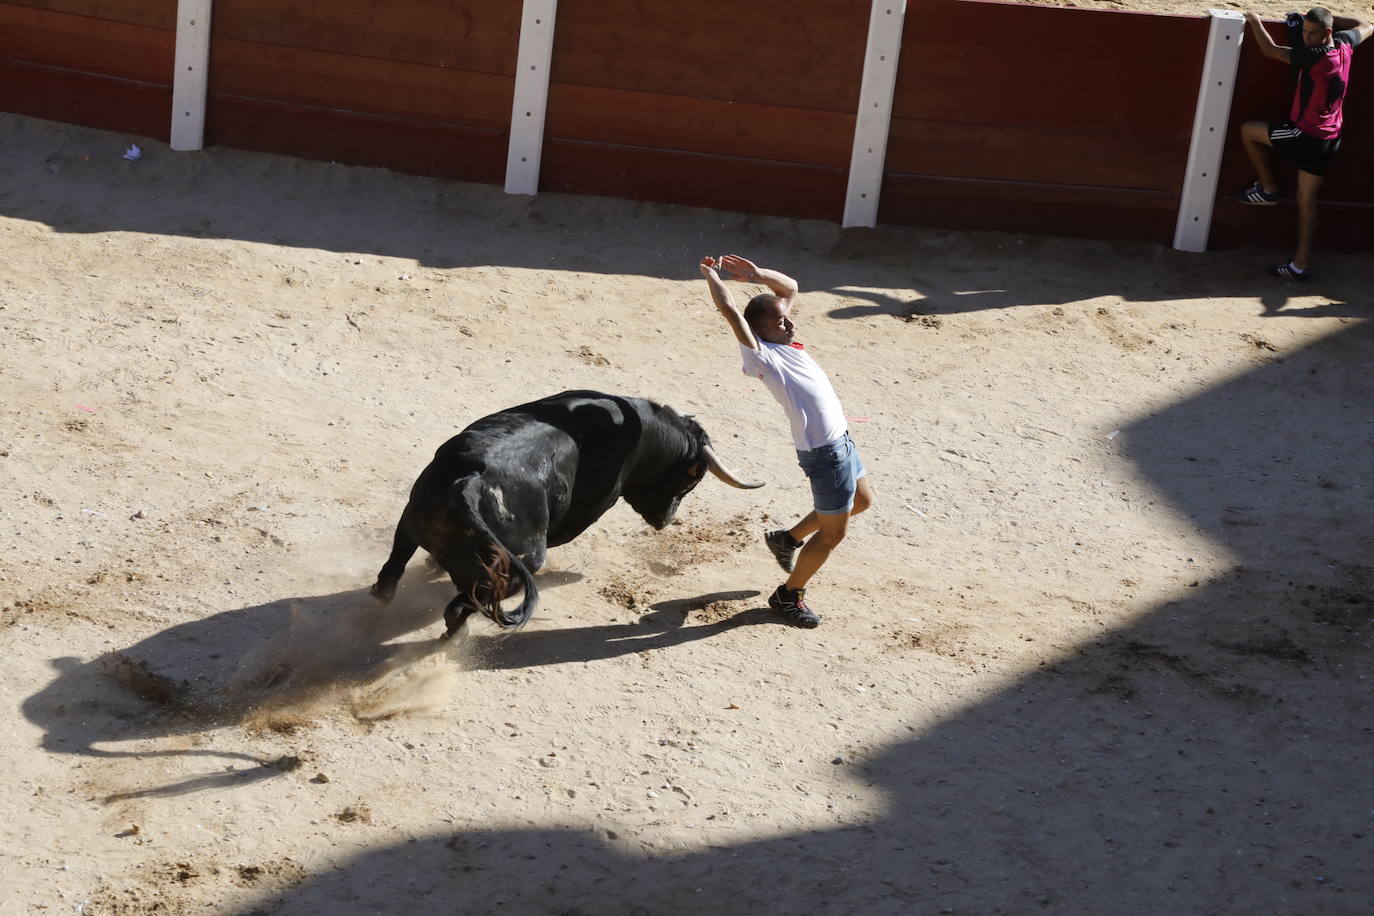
(839, 487)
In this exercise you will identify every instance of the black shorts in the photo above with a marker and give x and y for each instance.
(1309, 153)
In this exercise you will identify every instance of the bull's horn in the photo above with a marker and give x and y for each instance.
(720, 471)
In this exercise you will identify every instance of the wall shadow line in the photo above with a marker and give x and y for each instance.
(443, 224)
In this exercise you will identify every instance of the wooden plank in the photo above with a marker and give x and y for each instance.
(770, 52)
(59, 94)
(354, 138)
(365, 84)
(1049, 67)
(191, 77)
(868, 153)
(89, 45)
(1039, 209)
(695, 180)
(1341, 226)
(478, 35)
(1037, 154)
(630, 118)
(531, 101)
(158, 14)
(1351, 178)
(1200, 176)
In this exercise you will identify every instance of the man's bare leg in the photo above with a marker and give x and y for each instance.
(863, 498)
(830, 530)
(816, 550)
(1255, 136)
(1307, 216)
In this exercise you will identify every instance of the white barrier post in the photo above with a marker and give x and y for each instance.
(875, 113)
(531, 96)
(192, 76)
(1209, 130)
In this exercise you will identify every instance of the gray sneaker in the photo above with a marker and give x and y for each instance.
(792, 605)
(783, 547)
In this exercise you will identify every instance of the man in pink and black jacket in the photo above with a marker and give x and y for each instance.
(1321, 46)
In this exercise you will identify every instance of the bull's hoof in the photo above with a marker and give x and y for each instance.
(383, 593)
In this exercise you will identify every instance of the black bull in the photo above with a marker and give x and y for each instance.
(511, 485)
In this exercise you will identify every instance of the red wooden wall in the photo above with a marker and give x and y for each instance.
(1043, 120)
(1006, 116)
(422, 86)
(103, 63)
(748, 108)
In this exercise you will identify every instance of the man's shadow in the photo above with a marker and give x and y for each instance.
(1008, 271)
(253, 662)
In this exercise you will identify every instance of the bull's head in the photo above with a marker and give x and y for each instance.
(673, 460)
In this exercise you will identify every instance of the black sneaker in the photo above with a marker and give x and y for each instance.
(1256, 196)
(791, 604)
(783, 546)
(1289, 272)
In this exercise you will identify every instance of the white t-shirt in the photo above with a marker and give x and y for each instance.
(803, 390)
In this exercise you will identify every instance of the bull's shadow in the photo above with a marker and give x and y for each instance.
(219, 670)
(1210, 757)
(228, 668)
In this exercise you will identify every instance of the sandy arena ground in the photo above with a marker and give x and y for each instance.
(1103, 644)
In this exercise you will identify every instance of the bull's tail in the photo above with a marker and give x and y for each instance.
(498, 568)
(498, 585)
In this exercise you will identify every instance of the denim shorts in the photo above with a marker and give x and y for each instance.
(834, 470)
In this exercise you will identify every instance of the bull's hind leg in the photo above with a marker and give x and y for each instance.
(403, 547)
(455, 615)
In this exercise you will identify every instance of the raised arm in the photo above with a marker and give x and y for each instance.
(725, 303)
(1358, 26)
(783, 286)
(1264, 41)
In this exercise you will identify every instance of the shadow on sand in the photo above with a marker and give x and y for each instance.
(224, 193)
(247, 664)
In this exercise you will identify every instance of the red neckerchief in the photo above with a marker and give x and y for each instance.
(796, 346)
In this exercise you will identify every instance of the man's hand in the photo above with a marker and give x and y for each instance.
(739, 268)
(725, 303)
(1264, 41)
(746, 271)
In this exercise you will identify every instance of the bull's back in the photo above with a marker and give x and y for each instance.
(550, 468)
